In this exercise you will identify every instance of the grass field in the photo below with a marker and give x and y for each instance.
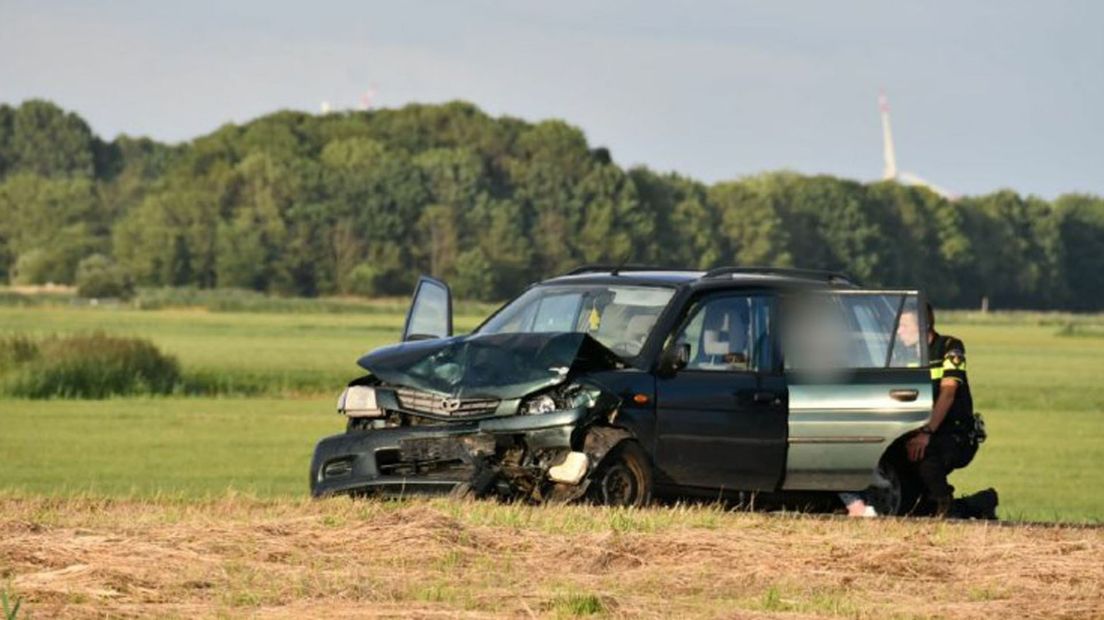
(266, 352)
(236, 557)
(196, 506)
(1039, 385)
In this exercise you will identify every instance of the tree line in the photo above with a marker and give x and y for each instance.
(360, 203)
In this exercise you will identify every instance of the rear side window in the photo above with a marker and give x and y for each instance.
(853, 330)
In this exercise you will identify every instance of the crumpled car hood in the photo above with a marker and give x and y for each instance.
(492, 365)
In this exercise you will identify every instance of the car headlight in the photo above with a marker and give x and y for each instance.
(540, 404)
(584, 397)
(359, 401)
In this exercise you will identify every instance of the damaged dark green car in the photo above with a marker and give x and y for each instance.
(614, 385)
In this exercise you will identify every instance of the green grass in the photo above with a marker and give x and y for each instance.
(239, 352)
(151, 446)
(10, 606)
(1042, 395)
(1041, 390)
(221, 300)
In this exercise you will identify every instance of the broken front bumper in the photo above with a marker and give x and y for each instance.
(429, 459)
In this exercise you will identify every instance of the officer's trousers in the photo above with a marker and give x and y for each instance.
(945, 453)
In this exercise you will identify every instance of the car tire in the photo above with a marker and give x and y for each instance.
(623, 478)
(462, 492)
(887, 494)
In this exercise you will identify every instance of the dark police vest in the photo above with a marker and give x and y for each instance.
(947, 357)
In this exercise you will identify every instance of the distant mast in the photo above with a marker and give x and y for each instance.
(890, 172)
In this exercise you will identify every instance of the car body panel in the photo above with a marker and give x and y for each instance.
(362, 459)
(711, 431)
(509, 365)
(838, 432)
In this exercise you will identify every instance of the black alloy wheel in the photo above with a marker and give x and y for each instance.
(623, 478)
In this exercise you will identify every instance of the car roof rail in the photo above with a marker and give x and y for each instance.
(616, 269)
(831, 277)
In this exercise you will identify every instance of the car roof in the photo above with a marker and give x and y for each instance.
(745, 276)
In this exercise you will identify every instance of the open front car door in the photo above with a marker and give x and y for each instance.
(430, 314)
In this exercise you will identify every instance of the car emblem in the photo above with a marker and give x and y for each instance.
(450, 404)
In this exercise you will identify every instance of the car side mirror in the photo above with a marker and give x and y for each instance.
(675, 358)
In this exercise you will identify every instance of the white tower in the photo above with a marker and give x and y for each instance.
(890, 156)
(891, 173)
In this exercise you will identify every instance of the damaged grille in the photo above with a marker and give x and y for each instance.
(438, 404)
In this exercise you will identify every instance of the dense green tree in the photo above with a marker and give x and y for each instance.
(614, 227)
(1078, 247)
(474, 276)
(1010, 265)
(684, 224)
(170, 239)
(47, 141)
(456, 180)
(500, 238)
(47, 225)
(750, 225)
(7, 116)
(362, 202)
(379, 193)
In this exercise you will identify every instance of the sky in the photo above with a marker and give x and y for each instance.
(984, 95)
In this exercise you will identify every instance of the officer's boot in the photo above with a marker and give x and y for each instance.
(980, 505)
(943, 507)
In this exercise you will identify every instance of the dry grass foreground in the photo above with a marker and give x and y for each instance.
(236, 556)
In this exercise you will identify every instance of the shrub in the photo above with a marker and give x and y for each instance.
(32, 267)
(85, 366)
(364, 280)
(16, 350)
(98, 277)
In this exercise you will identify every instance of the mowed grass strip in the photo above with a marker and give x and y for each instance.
(236, 556)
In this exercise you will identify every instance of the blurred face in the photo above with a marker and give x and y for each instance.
(908, 331)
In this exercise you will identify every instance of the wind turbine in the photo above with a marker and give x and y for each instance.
(890, 172)
(368, 98)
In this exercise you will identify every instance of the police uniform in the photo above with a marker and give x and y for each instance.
(954, 444)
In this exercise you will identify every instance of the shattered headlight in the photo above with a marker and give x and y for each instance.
(359, 401)
(572, 397)
(539, 404)
(583, 396)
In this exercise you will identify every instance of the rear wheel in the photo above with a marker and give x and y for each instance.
(887, 494)
(623, 478)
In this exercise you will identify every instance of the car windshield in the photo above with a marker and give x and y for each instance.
(620, 317)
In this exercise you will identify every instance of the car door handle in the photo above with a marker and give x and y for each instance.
(764, 397)
(903, 395)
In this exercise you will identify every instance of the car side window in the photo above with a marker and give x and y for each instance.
(852, 330)
(728, 333)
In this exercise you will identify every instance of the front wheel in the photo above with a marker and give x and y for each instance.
(623, 478)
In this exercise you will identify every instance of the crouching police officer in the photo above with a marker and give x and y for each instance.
(950, 440)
